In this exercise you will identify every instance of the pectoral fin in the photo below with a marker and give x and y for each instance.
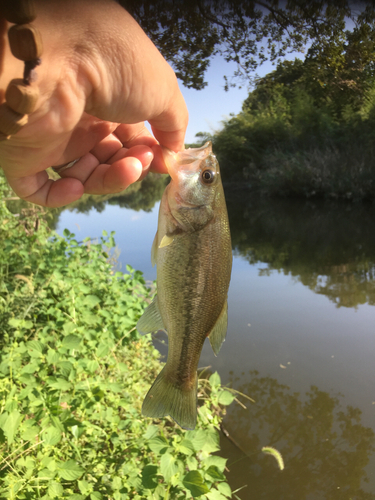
(219, 331)
(166, 240)
(151, 320)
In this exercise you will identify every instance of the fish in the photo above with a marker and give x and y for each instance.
(192, 251)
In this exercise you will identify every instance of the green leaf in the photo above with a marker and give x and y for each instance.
(91, 300)
(116, 483)
(55, 489)
(186, 447)
(29, 433)
(84, 487)
(226, 398)
(215, 474)
(212, 442)
(58, 383)
(46, 474)
(15, 322)
(102, 350)
(204, 440)
(65, 367)
(84, 288)
(168, 466)
(71, 342)
(77, 430)
(158, 445)
(11, 425)
(66, 233)
(52, 357)
(31, 367)
(151, 432)
(149, 477)
(92, 365)
(95, 495)
(193, 481)
(70, 470)
(192, 463)
(197, 438)
(215, 495)
(51, 436)
(35, 348)
(215, 380)
(224, 488)
(69, 327)
(218, 462)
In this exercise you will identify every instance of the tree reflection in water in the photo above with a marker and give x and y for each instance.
(324, 446)
(327, 246)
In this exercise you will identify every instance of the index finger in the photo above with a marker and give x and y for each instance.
(169, 127)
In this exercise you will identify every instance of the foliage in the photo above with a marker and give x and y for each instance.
(73, 374)
(252, 31)
(289, 141)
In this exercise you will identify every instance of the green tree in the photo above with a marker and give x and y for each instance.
(253, 31)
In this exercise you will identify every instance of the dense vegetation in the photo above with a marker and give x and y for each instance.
(73, 374)
(306, 129)
(249, 32)
(295, 136)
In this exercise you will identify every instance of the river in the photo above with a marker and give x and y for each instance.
(301, 340)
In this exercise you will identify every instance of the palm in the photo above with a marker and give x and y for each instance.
(112, 157)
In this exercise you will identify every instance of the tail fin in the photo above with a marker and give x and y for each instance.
(164, 398)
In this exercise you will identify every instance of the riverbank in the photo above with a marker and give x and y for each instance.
(74, 372)
(275, 161)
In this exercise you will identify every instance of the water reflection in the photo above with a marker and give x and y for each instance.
(328, 247)
(325, 447)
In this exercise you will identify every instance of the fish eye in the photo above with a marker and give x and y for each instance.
(208, 176)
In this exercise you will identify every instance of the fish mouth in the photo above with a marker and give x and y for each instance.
(186, 159)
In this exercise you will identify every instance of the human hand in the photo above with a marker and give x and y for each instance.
(100, 79)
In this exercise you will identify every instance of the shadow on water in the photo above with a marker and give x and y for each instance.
(327, 246)
(324, 446)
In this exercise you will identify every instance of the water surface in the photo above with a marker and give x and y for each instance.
(301, 340)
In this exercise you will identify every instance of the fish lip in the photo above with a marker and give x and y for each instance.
(175, 161)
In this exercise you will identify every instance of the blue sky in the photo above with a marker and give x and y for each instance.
(208, 107)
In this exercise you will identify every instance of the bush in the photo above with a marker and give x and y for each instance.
(73, 374)
(287, 142)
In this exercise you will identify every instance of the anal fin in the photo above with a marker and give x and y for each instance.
(219, 331)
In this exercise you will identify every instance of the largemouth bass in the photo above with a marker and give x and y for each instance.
(193, 253)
